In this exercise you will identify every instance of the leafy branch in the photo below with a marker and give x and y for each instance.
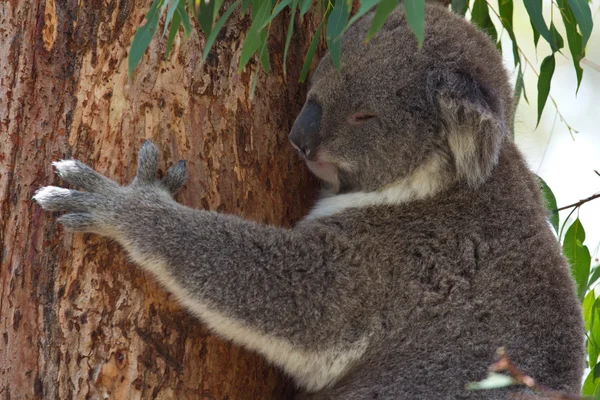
(335, 19)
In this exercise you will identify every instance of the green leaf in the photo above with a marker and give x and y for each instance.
(304, 6)
(460, 6)
(310, 53)
(583, 15)
(264, 54)
(217, 28)
(505, 8)
(142, 37)
(170, 14)
(578, 256)
(335, 26)
(205, 16)
(282, 4)
(592, 353)
(594, 327)
(546, 72)
(597, 393)
(534, 9)
(245, 5)
(588, 305)
(288, 37)
(594, 276)
(550, 202)
(185, 19)
(573, 38)
(590, 384)
(520, 88)
(255, 38)
(175, 23)
(480, 16)
(560, 43)
(264, 57)
(383, 10)
(493, 381)
(415, 16)
(365, 6)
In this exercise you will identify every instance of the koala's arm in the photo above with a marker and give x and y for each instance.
(275, 290)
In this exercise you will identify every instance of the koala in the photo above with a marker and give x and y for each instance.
(428, 249)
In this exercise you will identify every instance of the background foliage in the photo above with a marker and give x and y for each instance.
(335, 17)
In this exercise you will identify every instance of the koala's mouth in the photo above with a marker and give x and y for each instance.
(323, 170)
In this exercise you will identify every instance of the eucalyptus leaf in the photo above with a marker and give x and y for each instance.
(382, 12)
(335, 26)
(460, 6)
(587, 305)
(278, 8)
(583, 15)
(216, 29)
(185, 19)
(546, 72)
(310, 53)
(304, 6)
(590, 384)
(578, 256)
(365, 7)
(534, 9)
(520, 87)
(415, 17)
(205, 16)
(574, 39)
(550, 202)
(170, 14)
(255, 38)
(288, 37)
(175, 23)
(505, 8)
(594, 276)
(142, 37)
(558, 39)
(480, 16)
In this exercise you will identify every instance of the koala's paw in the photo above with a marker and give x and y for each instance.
(104, 203)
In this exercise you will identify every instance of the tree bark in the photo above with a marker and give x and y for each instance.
(77, 320)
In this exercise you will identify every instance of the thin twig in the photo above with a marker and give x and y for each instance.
(506, 365)
(580, 202)
(522, 53)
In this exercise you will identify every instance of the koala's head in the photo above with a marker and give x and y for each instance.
(398, 113)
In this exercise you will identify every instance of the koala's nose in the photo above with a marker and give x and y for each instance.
(304, 135)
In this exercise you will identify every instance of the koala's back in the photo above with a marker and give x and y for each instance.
(461, 275)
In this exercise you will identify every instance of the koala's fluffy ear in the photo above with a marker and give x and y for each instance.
(473, 120)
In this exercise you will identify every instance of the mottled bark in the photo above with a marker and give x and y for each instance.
(77, 320)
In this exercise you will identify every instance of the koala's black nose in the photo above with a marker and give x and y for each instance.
(305, 132)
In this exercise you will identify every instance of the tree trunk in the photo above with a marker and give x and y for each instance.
(77, 320)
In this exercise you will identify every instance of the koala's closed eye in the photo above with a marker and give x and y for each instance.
(361, 117)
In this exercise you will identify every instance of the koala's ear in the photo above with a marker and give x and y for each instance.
(473, 121)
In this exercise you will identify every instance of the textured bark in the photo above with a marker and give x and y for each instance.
(77, 320)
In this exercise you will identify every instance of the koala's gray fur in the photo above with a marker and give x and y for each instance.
(429, 252)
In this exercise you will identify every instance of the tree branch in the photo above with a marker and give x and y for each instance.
(580, 202)
(505, 365)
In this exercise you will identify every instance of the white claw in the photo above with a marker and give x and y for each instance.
(65, 166)
(46, 193)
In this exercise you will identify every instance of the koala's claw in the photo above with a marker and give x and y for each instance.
(80, 175)
(54, 198)
(175, 177)
(147, 163)
(79, 222)
(93, 210)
